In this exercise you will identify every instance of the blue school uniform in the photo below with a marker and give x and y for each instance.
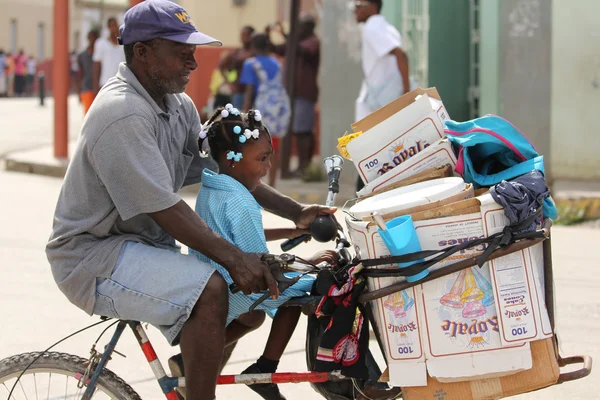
(230, 210)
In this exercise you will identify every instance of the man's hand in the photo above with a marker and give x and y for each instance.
(252, 275)
(310, 212)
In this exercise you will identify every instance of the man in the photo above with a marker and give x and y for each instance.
(306, 90)
(85, 76)
(31, 72)
(112, 249)
(3, 67)
(20, 73)
(108, 54)
(384, 63)
(234, 61)
(10, 74)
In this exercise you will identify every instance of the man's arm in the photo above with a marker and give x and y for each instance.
(247, 270)
(248, 97)
(225, 64)
(277, 203)
(79, 78)
(96, 82)
(402, 61)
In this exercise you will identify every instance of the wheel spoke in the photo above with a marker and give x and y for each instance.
(23, 389)
(66, 386)
(49, 378)
(35, 384)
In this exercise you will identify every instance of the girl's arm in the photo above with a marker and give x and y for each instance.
(283, 233)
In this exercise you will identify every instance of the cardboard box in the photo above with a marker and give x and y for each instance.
(397, 132)
(437, 155)
(461, 335)
(544, 373)
(518, 283)
(461, 347)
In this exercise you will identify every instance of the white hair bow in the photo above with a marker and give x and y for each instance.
(251, 133)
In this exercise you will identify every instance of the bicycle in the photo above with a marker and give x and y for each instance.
(90, 377)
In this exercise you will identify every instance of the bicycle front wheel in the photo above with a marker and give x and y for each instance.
(56, 376)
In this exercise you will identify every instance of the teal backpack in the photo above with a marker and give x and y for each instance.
(490, 150)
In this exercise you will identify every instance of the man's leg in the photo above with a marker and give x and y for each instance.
(203, 340)
(305, 148)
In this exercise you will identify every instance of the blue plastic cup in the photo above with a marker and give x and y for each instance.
(400, 239)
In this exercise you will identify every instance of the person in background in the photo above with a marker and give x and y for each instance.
(234, 61)
(3, 67)
(20, 72)
(73, 70)
(85, 76)
(306, 90)
(31, 71)
(261, 76)
(10, 74)
(108, 54)
(384, 63)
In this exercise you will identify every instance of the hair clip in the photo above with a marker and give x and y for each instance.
(242, 139)
(229, 107)
(224, 113)
(202, 134)
(235, 111)
(234, 156)
(251, 133)
(257, 116)
(205, 150)
(237, 129)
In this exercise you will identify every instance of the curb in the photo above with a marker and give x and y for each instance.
(577, 209)
(57, 171)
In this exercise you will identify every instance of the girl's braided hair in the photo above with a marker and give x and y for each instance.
(220, 135)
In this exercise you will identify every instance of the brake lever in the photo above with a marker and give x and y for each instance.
(277, 264)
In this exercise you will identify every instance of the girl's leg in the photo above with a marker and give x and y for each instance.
(243, 325)
(283, 327)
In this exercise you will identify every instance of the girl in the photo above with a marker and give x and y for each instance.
(242, 147)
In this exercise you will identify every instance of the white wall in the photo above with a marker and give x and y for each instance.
(575, 101)
(223, 20)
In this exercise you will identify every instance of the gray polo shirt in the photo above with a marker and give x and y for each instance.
(131, 159)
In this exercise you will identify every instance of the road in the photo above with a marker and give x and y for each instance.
(35, 314)
(24, 124)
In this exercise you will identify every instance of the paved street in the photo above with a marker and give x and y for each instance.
(35, 314)
(24, 124)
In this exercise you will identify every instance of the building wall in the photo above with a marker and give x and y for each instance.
(341, 75)
(525, 68)
(29, 14)
(489, 58)
(575, 89)
(223, 20)
(449, 54)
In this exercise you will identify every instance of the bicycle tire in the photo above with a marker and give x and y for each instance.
(63, 364)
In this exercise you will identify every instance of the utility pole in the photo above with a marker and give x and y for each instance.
(60, 75)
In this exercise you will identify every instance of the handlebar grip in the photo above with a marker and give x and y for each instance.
(291, 243)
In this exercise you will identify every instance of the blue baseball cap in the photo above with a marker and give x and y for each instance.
(154, 19)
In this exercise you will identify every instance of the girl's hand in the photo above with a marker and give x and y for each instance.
(328, 256)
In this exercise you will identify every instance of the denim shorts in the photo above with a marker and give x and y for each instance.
(153, 285)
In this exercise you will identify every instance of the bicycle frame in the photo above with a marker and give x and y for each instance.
(169, 384)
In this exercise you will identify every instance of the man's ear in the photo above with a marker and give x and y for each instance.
(140, 52)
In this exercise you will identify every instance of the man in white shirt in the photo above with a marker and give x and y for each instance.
(384, 63)
(108, 54)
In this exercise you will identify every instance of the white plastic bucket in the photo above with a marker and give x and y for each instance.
(408, 196)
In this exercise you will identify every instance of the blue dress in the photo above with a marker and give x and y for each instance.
(230, 210)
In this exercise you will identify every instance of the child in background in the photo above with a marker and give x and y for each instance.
(265, 91)
(242, 147)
